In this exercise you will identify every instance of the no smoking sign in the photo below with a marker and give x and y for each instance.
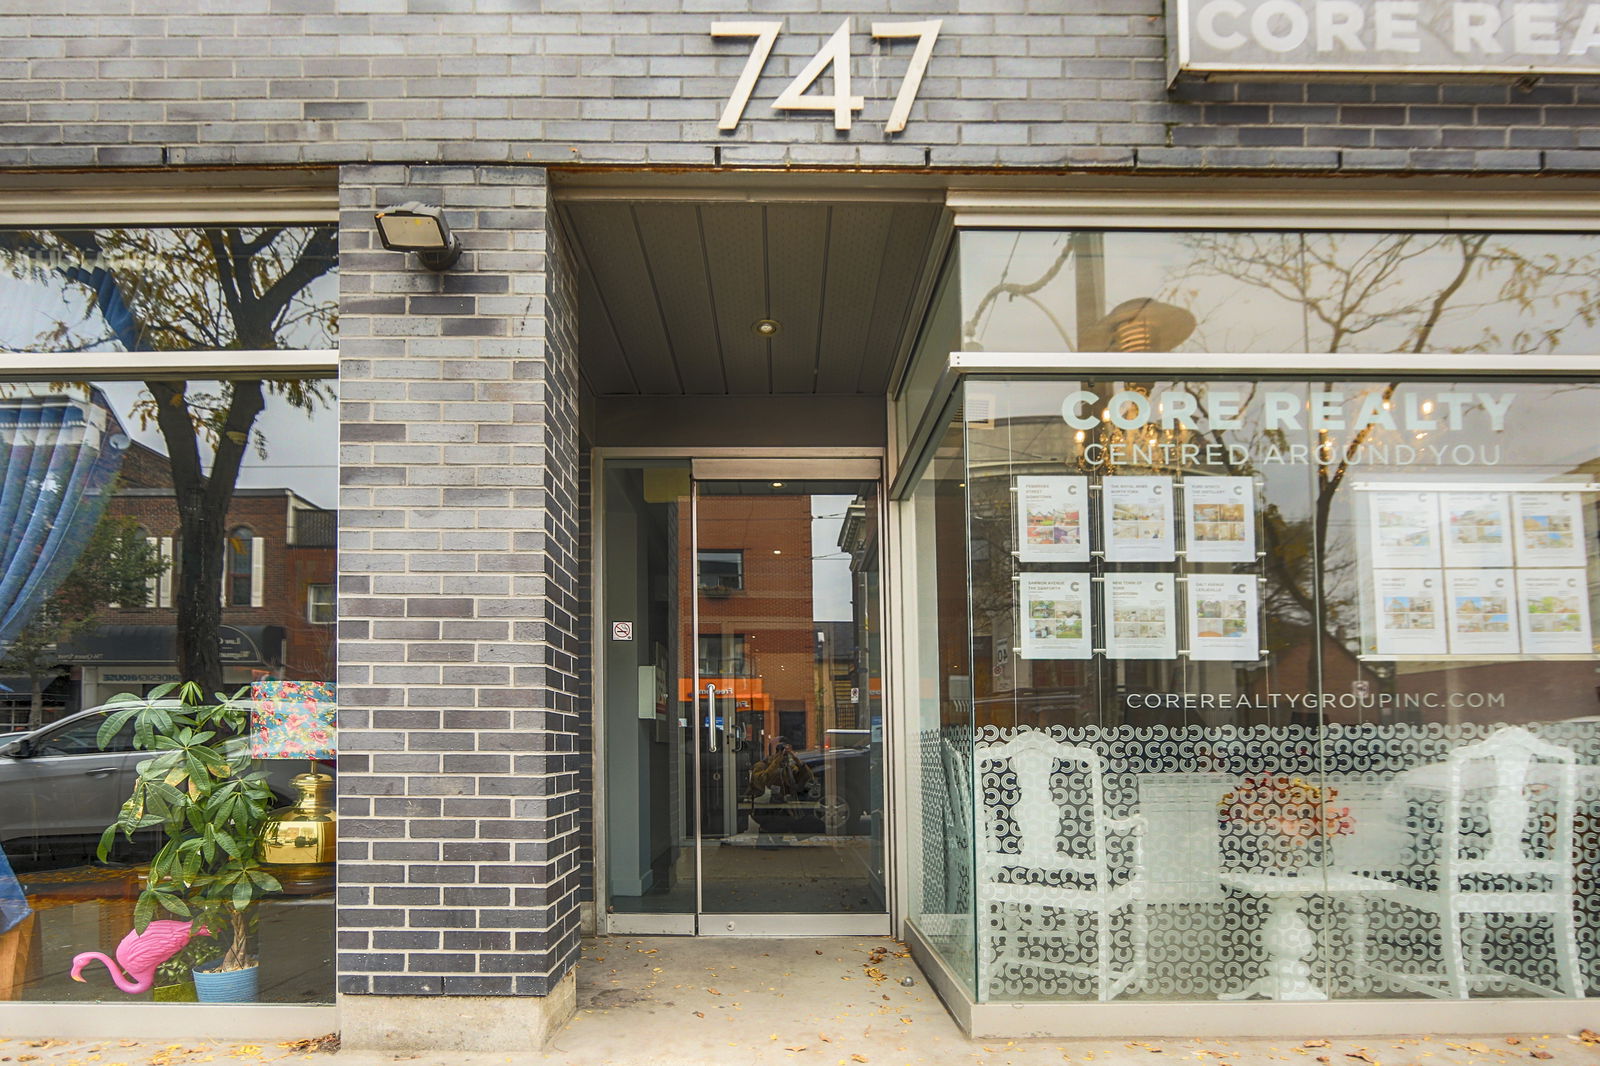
(621, 630)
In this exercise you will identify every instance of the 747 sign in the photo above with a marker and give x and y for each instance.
(836, 54)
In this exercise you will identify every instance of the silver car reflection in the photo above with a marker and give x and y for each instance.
(59, 789)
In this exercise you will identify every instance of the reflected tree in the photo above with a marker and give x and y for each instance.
(1405, 293)
(164, 290)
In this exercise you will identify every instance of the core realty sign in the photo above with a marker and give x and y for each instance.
(1212, 38)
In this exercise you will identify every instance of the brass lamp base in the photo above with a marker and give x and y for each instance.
(299, 842)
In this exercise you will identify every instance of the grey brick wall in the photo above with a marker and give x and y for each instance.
(458, 779)
(1016, 83)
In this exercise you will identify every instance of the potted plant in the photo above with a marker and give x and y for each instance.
(201, 790)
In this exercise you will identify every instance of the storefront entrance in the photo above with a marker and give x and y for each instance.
(742, 694)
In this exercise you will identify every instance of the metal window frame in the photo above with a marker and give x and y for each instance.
(713, 464)
(212, 364)
(1311, 206)
(44, 204)
(258, 199)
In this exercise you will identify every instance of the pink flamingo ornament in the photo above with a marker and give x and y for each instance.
(140, 954)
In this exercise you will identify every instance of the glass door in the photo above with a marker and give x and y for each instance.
(748, 798)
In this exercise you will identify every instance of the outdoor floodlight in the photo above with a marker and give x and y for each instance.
(421, 228)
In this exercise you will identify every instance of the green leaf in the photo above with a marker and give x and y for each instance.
(111, 725)
(144, 910)
(175, 905)
(229, 844)
(106, 840)
(242, 895)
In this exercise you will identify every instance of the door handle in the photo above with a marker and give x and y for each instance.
(711, 714)
(100, 771)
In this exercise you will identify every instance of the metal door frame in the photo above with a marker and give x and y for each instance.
(736, 464)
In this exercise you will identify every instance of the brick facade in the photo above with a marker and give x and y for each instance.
(458, 598)
(1012, 83)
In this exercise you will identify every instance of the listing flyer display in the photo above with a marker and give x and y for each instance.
(1410, 606)
(1476, 529)
(1055, 616)
(1549, 529)
(1222, 617)
(1405, 528)
(1220, 522)
(1554, 605)
(1513, 578)
(1138, 518)
(1480, 612)
(1140, 615)
(1052, 519)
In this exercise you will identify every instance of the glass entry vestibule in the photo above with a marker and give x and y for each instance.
(741, 690)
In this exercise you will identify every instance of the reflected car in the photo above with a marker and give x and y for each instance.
(59, 789)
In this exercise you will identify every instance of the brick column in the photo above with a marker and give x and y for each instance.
(458, 799)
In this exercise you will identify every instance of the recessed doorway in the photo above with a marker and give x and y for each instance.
(741, 697)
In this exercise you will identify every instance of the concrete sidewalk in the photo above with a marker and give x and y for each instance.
(686, 1002)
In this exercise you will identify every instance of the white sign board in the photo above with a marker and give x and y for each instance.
(1382, 37)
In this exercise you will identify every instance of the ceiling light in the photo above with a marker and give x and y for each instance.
(421, 228)
(766, 327)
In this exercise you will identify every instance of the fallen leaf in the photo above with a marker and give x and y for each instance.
(699, 1014)
(713, 991)
(1513, 1040)
(1315, 1043)
(858, 1058)
(1540, 1055)
(797, 1047)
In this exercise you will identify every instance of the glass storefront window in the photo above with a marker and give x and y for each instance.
(168, 289)
(1291, 292)
(109, 587)
(1280, 688)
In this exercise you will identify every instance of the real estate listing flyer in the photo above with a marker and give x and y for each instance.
(1480, 611)
(1140, 615)
(1138, 519)
(1554, 608)
(1410, 612)
(1055, 616)
(1222, 617)
(1549, 528)
(1405, 528)
(1053, 519)
(1220, 520)
(1476, 529)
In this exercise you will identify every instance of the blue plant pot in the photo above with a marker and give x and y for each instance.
(230, 986)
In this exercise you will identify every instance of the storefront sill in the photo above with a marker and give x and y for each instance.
(179, 1021)
(1134, 1018)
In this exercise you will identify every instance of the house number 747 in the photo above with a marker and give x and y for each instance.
(835, 53)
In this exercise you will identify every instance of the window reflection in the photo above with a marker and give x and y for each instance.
(1279, 689)
(95, 604)
(1299, 292)
(168, 288)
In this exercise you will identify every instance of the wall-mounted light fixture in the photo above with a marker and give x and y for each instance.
(421, 228)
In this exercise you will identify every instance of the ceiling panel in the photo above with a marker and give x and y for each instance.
(736, 248)
(797, 250)
(910, 242)
(856, 237)
(611, 251)
(602, 362)
(673, 289)
(670, 233)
